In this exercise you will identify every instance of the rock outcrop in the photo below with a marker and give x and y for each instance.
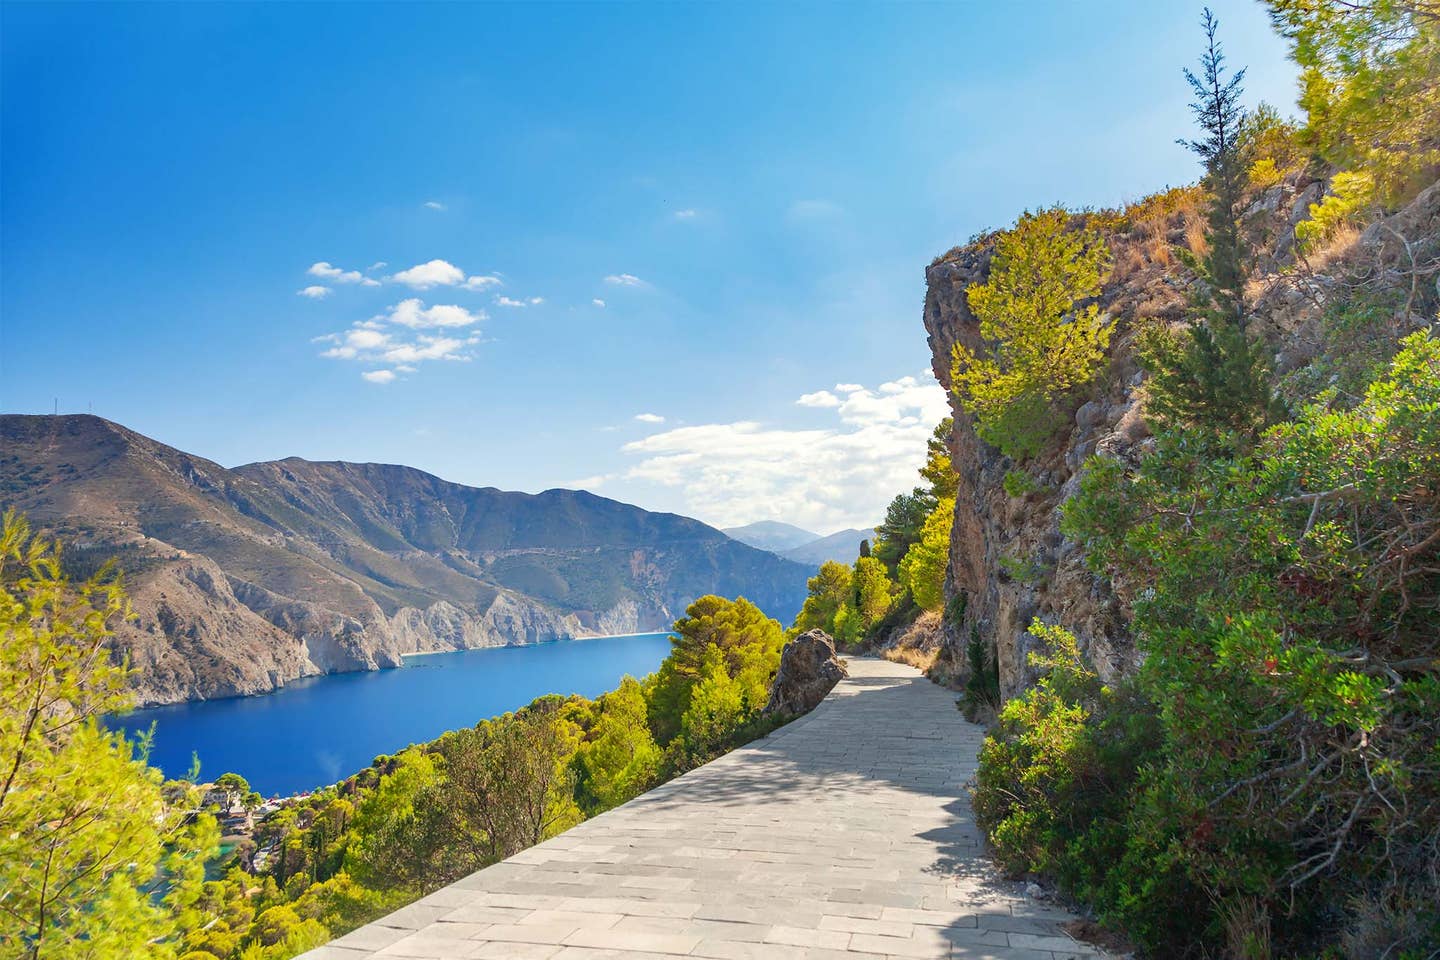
(1009, 559)
(808, 670)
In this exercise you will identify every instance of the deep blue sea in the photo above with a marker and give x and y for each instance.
(322, 729)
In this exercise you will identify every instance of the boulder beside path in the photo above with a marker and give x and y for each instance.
(809, 668)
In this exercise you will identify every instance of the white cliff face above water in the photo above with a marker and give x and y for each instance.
(243, 579)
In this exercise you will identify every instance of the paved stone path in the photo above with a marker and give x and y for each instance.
(845, 835)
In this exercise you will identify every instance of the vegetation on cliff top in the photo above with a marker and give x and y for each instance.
(1266, 785)
(1037, 309)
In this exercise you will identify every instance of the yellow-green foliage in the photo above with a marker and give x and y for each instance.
(829, 592)
(1370, 86)
(716, 635)
(1263, 173)
(874, 591)
(98, 858)
(619, 758)
(924, 566)
(1044, 346)
(1351, 193)
(718, 704)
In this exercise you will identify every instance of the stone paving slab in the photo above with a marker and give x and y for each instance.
(844, 835)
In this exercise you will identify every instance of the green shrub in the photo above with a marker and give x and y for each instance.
(922, 570)
(1351, 194)
(1022, 569)
(1019, 483)
(1055, 774)
(1285, 601)
(982, 687)
(1045, 344)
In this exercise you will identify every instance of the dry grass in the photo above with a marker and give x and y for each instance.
(1195, 238)
(919, 643)
(1336, 247)
(921, 660)
(1150, 229)
(1160, 308)
(1247, 928)
(1166, 205)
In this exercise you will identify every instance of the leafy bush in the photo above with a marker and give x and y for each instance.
(922, 570)
(1022, 569)
(1370, 87)
(1045, 343)
(874, 592)
(1055, 774)
(1285, 601)
(1019, 483)
(982, 687)
(829, 591)
(1264, 174)
(1351, 195)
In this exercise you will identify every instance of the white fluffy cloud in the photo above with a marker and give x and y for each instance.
(432, 273)
(625, 280)
(599, 303)
(841, 474)
(328, 271)
(820, 398)
(481, 282)
(414, 314)
(395, 338)
(649, 418)
(434, 205)
(314, 292)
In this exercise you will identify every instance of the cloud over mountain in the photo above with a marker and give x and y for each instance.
(840, 473)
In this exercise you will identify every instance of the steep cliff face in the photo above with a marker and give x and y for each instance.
(244, 579)
(1008, 558)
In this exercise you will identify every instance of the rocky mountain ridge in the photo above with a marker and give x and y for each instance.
(843, 546)
(800, 545)
(243, 579)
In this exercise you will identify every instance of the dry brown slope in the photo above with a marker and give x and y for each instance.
(246, 578)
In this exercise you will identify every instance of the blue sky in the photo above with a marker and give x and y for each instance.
(717, 215)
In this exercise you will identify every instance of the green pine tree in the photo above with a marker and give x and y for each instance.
(1213, 376)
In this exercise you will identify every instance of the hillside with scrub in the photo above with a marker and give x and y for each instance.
(1193, 548)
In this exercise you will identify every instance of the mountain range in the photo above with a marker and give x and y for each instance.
(243, 579)
(798, 544)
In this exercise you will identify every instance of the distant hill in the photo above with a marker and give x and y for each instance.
(772, 535)
(246, 578)
(842, 547)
